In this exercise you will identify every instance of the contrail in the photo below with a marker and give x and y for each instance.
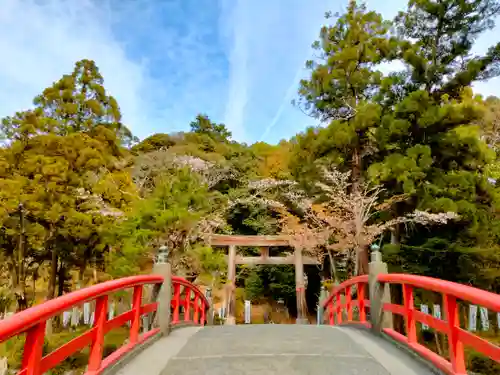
(286, 101)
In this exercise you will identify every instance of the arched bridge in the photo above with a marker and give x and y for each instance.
(357, 336)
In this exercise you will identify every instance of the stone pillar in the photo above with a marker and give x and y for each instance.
(163, 295)
(231, 286)
(300, 288)
(210, 311)
(322, 296)
(379, 294)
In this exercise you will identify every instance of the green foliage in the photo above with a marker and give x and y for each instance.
(64, 164)
(254, 287)
(342, 90)
(154, 143)
(203, 125)
(169, 215)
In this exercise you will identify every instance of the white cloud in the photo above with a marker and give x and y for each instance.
(268, 44)
(154, 56)
(41, 41)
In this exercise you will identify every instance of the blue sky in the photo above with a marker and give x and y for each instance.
(238, 61)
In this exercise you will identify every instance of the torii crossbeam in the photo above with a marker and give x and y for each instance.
(264, 242)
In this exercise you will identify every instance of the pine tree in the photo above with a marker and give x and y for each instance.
(78, 102)
(341, 89)
(64, 163)
(431, 148)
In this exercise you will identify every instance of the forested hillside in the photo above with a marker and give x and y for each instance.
(408, 160)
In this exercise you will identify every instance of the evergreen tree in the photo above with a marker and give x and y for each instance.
(431, 149)
(343, 83)
(203, 125)
(78, 102)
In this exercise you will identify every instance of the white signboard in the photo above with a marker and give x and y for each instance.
(472, 318)
(425, 310)
(248, 311)
(485, 321)
(437, 311)
(111, 312)
(66, 318)
(75, 317)
(222, 312)
(86, 313)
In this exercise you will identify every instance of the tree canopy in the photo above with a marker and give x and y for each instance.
(408, 159)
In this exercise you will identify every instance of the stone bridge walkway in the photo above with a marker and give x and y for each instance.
(274, 349)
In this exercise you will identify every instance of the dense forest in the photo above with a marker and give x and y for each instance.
(408, 160)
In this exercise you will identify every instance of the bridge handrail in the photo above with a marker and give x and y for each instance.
(451, 292)
(457, 337)
(334, 306)
(33, 321)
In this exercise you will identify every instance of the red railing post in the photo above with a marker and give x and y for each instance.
(361, 302)
(33, 349)
(411, 328)
(338, 307)
(331, 312)
(187, 304)
(455, 346)
(136, 318)
(348, 299)
(176, 302)
(196, 315)
(97, 346)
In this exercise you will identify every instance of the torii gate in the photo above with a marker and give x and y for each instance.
(264, 242)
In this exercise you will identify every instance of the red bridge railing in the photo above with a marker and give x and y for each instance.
(32, 322)
(334, 306)
(339, 304)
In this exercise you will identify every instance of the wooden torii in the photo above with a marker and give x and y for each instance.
(264, 242)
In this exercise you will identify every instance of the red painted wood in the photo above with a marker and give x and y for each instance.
(411, 327)
(331, 315)
(467, 293)
(487, 348)
(97, 346)
(428, 354)
(51, 360)
(32, 321)
(120, 352)
(348, 299)
(450, 325)
(196, 316)
(28, 318)
(33, 350)
(361, 302)
(135, 324)
(455, 346)
(187, 304)
(176, 303)
(338, 305)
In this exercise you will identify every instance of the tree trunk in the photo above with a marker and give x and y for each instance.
(53, 275)
(363, 260)
(61, 278)
(395, 235)
(333, 267)
(20, 288)
(356, 169)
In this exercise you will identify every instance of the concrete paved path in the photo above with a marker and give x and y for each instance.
(274, 349)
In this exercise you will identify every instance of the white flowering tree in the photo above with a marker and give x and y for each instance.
(338, 218)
